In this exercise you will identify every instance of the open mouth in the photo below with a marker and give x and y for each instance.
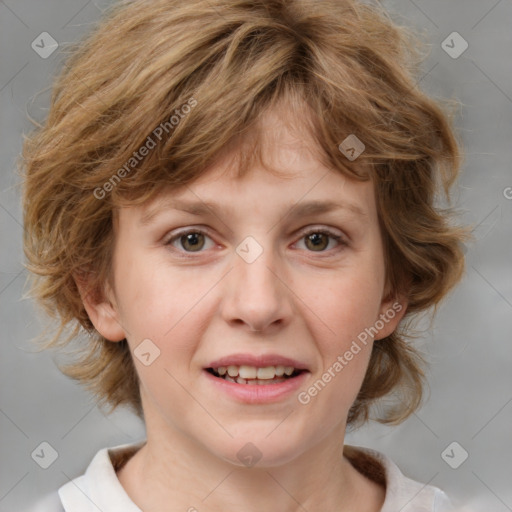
(252, 375)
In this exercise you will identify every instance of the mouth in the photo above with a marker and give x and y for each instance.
(256, 376)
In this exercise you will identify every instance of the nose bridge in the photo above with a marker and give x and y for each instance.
(257, 295)
(254, 268)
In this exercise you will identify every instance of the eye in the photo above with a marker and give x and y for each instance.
(191, 241)
(317, 240)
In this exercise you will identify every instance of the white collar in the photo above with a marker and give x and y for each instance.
(402, 493)
(99, 488)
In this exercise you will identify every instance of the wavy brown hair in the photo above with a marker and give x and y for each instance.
(344, 67)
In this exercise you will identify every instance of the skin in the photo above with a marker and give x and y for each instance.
(297, 300)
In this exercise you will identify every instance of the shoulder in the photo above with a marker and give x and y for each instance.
(97, 489)
(402, 493)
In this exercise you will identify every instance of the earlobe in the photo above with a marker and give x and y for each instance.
(102, 311)
(390, 314)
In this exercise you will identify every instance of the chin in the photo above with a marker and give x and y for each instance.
(260, 452)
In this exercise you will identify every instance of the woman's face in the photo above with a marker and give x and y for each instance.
(255, 274)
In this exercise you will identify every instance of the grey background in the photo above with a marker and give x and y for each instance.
(469, 345)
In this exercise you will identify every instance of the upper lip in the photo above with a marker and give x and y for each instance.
(259, 361)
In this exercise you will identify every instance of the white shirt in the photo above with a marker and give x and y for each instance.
(99, 488)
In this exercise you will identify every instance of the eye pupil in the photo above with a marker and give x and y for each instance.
(191, 238)
(316, 239)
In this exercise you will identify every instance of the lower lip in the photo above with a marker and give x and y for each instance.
(258, 393)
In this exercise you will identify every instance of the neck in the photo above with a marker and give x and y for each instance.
(175, 471)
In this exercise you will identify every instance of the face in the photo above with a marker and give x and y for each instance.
(257, 281)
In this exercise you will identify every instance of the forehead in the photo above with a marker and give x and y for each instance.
(308, 190)
(278, 166)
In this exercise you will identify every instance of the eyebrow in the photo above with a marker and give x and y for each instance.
(205, 208)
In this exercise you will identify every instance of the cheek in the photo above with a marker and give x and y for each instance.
(342, 339)
(347, 310)
(145, 298)
(160, 304)
(349, 304)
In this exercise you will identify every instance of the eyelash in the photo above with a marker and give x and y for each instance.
(338, 238)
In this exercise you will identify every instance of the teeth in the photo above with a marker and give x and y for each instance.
(232, 371)
(268, 372)
(246, 374)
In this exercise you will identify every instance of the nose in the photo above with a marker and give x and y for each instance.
(256, 295)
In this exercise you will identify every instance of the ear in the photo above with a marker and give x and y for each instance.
(101, 308)
(391, 311)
